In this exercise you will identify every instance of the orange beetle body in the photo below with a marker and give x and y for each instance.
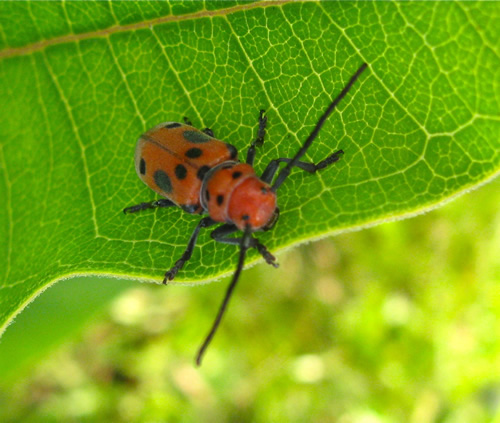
(202, 175)
(172, 159)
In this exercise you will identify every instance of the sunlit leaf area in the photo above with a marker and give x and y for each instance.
(370, 318)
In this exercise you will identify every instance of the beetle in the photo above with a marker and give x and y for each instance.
(202, 175)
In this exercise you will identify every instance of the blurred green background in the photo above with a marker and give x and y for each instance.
(396, 323)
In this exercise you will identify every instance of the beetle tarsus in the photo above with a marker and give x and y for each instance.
(264, 252)
(329, 160)
(170, 275)
(208, 131)
(164, 202)
(259, 140)
(262, 128)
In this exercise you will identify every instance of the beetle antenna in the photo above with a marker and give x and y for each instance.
(245, 244)
(286, 170)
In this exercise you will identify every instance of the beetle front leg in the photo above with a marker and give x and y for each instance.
(221, 234)
(273, 166)
(259, 140)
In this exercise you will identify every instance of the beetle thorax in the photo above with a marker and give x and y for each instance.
(231, 192)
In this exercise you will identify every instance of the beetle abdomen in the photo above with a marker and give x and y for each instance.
(172, 159)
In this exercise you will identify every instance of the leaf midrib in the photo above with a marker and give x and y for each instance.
(40, 45)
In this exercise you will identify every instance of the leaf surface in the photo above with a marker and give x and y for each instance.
(79, 82)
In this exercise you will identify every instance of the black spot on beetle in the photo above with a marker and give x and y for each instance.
(202, 171)
(173, 125)
(263, 190)
(142, 166)
(236, 175)
(194, 153)
(163, 181)
(220, 199)
(245, 217)
(180, 171)
(232, 150)
(207, 194)
(196, 137)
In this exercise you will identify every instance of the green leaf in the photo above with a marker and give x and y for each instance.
(79, 82)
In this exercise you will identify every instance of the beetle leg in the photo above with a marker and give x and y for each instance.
(259, 140)
(208, 131)
(150, 205)
(203, 223)
(273, 166)
(221, 234)
(285, 172)
(187, 121)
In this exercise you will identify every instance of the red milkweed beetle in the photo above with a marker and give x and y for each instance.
(201, 174)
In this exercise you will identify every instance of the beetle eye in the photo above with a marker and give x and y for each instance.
(273, 220)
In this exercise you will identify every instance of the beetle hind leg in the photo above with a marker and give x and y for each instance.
(273, 166)
(149, 205)
(203, 223)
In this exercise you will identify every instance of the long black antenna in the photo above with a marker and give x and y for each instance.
(245, 241)
(286, 170)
